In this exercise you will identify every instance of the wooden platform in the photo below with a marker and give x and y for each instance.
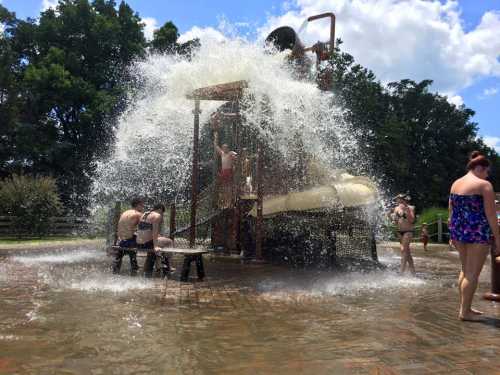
(167, 250)
(225, 91)
(184, 251)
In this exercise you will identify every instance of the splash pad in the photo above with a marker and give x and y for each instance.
(289, 189)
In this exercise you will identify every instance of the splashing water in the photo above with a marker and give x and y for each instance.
(61, 257)
(152, 154)
(348, 284)
(97, 282)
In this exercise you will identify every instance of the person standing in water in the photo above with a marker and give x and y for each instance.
(127, 225)
(148, 237)
(473, 225)
(424, 235)
(404, 216)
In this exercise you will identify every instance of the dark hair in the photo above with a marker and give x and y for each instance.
(477, 159)
(136, 201)
(159, 206)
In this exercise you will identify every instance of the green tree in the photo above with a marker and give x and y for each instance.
(70, 77)
(165, 41)
(165, 38)
(31, 202)
(417, 141)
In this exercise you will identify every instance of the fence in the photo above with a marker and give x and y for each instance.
(58, 226)
(437, 230)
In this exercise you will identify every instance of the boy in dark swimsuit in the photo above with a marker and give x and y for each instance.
(424, 235)
(127, 225)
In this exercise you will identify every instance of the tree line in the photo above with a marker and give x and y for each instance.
(63, 82)
(417, 141)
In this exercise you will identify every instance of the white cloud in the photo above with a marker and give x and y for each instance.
(490, 92)
(46, 4)
(150, 25)
(413, 39)
(205, 33)
(493, 142)
(456, 99)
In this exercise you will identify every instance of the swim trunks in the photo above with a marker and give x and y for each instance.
(130, 242)
(468, 222)
(425, 239)
(226, 176)
(146, 246)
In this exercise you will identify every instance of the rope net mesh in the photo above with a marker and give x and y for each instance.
(307, 238)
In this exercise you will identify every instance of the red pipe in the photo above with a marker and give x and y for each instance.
(332, 26)
(260, 197)
(194, 173)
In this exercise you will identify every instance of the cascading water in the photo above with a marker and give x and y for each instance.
(153, 142)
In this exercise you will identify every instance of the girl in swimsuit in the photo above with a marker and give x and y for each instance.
(404, 218)
(473, 226)
(148, 237)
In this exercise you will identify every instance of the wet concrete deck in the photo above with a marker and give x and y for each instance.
(420, 334)
(252, 319)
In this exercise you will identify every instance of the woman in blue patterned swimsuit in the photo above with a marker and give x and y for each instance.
(472, 226)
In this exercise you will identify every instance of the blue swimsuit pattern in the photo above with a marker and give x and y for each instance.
(468, 222)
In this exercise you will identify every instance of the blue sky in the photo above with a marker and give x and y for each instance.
(466, 75)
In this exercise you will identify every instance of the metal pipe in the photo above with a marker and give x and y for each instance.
(259, 219)
(332, 26)
(194, 173)
(116, 217)
(373, 244)
(172, 221)
(494, 295)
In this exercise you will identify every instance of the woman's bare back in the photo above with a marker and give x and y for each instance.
(469, 185)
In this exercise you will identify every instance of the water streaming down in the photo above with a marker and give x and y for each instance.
(302, 27)
(154, 138)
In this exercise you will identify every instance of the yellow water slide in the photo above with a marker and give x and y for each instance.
(335, 189)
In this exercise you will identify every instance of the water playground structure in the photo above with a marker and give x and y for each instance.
(299, 212)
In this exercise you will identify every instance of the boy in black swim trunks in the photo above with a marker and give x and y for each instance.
(127, 225)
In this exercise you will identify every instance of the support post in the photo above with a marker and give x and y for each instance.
(332, 251)
(215, 173)
(194, 173)
(440, 229)
(494, 295)
(259, 221)
(172, 221)
(116, 217)
(373, 247)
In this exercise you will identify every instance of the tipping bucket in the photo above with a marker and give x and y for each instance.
(284, 38)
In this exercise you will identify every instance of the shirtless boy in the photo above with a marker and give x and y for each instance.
(127, 225)
(226, 155)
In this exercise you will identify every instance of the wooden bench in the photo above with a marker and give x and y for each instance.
(190, 255)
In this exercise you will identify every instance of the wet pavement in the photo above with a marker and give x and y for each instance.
(63, 313)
